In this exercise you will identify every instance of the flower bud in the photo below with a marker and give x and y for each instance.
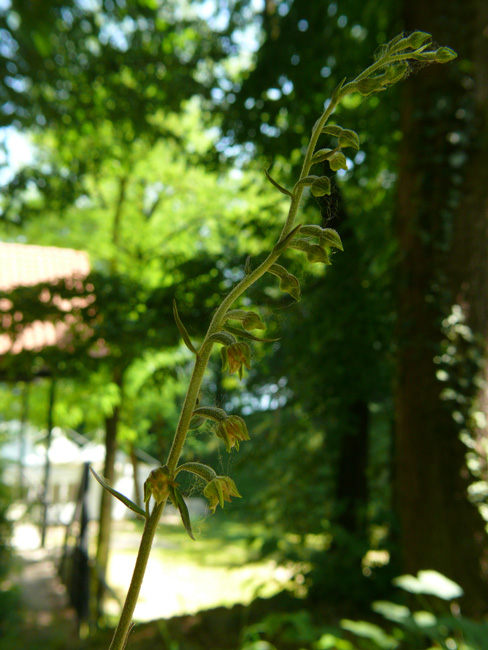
(336, 162)
(370, 85)
(445, 54)
(158, 485)
(220, 489)
(396, 73)
(321, 186)
(415, 40)
(235, 357)
(232, 430)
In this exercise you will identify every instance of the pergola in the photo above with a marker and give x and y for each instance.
(23, 265)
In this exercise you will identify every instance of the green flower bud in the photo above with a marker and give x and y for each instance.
(445, 54)
(235, 357)
(336, 162)
(232, 430)
(158, 485)
(396, 73)
(349, 138)
(415, 40)
(220, 489)
(370, 85)
(321, 186)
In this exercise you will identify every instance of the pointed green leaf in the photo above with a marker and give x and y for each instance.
(247, 335)
(279, 187)
(336, 94)
(182, 507)
(283, 244)
(182, 329)
(321, 186)
(247, 265)
(127, 502)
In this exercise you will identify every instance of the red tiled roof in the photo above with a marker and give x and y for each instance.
(25, 265)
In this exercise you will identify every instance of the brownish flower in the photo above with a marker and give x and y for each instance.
(220, 489)
(235, 357)
(232, 429)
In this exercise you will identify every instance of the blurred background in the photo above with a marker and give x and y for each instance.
(133, 137)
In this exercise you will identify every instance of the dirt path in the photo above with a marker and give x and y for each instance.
(48, 623)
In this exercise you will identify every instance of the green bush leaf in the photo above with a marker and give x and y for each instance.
(430, 583)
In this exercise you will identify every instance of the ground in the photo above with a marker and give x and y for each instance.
(184, 577)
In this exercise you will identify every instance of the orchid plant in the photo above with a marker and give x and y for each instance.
(232, 328)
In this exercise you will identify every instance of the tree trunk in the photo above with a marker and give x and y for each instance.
(105, 521)
(443, 272)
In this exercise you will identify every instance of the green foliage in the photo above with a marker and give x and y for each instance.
(402, 628)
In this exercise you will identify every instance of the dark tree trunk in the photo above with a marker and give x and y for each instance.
(443, 236)
(351, 480)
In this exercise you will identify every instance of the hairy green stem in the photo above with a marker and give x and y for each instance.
(124, 625)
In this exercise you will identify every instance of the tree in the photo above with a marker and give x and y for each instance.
(443, 305)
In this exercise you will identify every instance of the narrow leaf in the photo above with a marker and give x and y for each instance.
(127, 502)
(247, 265)
(279, 187)
(282, 245)
(185, 515)
(182, 329)
(337, 91)
(247, 335)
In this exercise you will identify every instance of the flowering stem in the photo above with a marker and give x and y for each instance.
(410, 48)
(189, 404)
